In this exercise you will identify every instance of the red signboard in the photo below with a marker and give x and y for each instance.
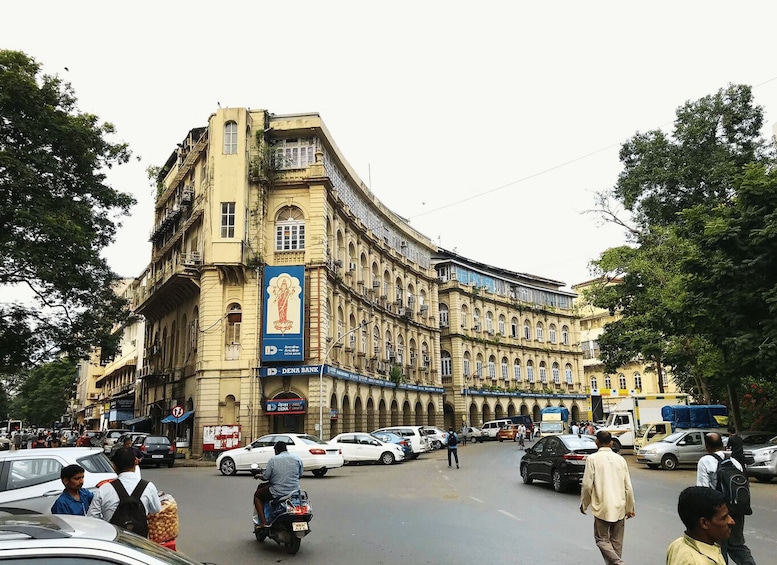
(220, 438)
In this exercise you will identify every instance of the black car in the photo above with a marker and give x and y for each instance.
(558, 459)
(157, 450)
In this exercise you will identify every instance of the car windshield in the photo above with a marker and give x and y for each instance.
(642, 429)
(671, 438)
(582, 442)
(310, 439)
(96, 463)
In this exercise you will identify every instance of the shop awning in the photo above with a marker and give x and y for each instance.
(173, 420)
(135, 421)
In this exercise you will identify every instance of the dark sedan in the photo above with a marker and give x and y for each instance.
(157, 450)
(559, 460)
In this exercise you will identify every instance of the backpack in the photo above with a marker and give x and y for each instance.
(452, 439)
(734, 485)
(130, 514)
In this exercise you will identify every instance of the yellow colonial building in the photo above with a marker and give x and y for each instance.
(281, 294)
(508, 343)
(633, 378)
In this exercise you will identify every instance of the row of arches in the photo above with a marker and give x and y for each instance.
(488, 324)
(365, 416)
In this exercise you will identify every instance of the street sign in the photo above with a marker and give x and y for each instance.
(177, 411)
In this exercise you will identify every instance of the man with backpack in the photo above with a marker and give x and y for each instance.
(127, 500)
(453, 447)
(727, 476)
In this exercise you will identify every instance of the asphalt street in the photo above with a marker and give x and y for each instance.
(423, 512)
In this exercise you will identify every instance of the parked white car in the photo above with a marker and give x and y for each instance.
(762, 460)
(437, 437)
(358, 447)
(317, 455)
(414, 435)
(30, 478)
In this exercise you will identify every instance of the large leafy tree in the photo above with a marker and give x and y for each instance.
(46, 391)
(697, 167)
(57, 213)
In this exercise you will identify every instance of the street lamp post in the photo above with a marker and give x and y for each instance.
(321, 377)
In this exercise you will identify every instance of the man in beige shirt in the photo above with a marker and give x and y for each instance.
(607, 490)
(705, 515)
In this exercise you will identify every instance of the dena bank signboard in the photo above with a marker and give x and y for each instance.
(284, 295)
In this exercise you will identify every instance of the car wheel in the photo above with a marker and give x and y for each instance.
(318, 473)
(292, 547)
(669, 462)
(653, 465)
(616, 445)
(501, 439)
(763, 478)
(527, 480)
(171, 464)
(387, 458)
(558, 484)
(227, 466)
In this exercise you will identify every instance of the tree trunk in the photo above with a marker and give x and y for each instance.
(733, 399)
(660, 373)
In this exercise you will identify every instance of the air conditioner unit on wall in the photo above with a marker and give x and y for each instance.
(351, 266)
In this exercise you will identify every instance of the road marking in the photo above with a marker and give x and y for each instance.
(478, 500)
(510, 515)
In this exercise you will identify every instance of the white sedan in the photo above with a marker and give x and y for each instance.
(360, 446)
(317, 455)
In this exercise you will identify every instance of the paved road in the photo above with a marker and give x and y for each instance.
(423, 512)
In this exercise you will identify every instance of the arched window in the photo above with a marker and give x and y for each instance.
(466, 364)
(492, 368)
(517, 370)
(446, 364)
(232, 333)
(230, 138)
(505, 371)
(543, 372)
(290, 229)
(621, 381)
(501, 325)
(444, 316)
(540, 335)
(552, 333)
(607, 382)
(489, 322)
(556, 374)
(530, 371)
(526, 329)
(565, 335)
(568, 373)
(593, 384)
(637, 381)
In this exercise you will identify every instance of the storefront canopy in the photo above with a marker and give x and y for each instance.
(173, 420)
(136, 421)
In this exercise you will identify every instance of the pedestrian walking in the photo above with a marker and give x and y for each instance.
(453, 448)
(707, 476)
(607, 490)
(736, 446)
(707, 523)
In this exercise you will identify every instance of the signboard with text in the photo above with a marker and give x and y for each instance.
(285, 407)
(284, 308)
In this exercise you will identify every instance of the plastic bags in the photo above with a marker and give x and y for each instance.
(163, 527)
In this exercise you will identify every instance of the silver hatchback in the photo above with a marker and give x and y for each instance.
(684, 447)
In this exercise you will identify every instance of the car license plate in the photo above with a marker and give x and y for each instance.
(157, 456)
(299, 526)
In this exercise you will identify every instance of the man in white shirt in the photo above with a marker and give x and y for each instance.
(607, 489)
(107, 499)
(706, 476)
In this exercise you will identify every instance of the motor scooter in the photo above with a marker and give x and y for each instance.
(288, 518)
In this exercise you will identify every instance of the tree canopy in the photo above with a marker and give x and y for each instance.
(57, 213)
(698, 286)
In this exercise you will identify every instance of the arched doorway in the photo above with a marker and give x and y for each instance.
(510, 410)
(498, 412)
(407, 414)
(382, 414)
(291, 420)
(486, 413)
(334, 422)
(358, 416)
(394, 413)
(419, 414)
(347, 423)
(431, 415)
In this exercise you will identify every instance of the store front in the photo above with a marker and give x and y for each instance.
(287, 412)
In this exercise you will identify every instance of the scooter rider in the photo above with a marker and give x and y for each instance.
(282, 474)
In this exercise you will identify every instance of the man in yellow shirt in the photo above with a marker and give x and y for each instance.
(607, 489)
(704, 512)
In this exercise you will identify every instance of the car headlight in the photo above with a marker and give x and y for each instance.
(648, 452)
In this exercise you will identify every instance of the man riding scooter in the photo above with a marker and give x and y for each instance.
(282, 474)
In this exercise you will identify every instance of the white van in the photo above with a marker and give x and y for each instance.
(414, 435)
(490, 428)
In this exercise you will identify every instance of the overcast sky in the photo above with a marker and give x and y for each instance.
(488, 125)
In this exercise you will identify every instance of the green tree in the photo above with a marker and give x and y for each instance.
(698, 168)
(46, 392)
(57, 213)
